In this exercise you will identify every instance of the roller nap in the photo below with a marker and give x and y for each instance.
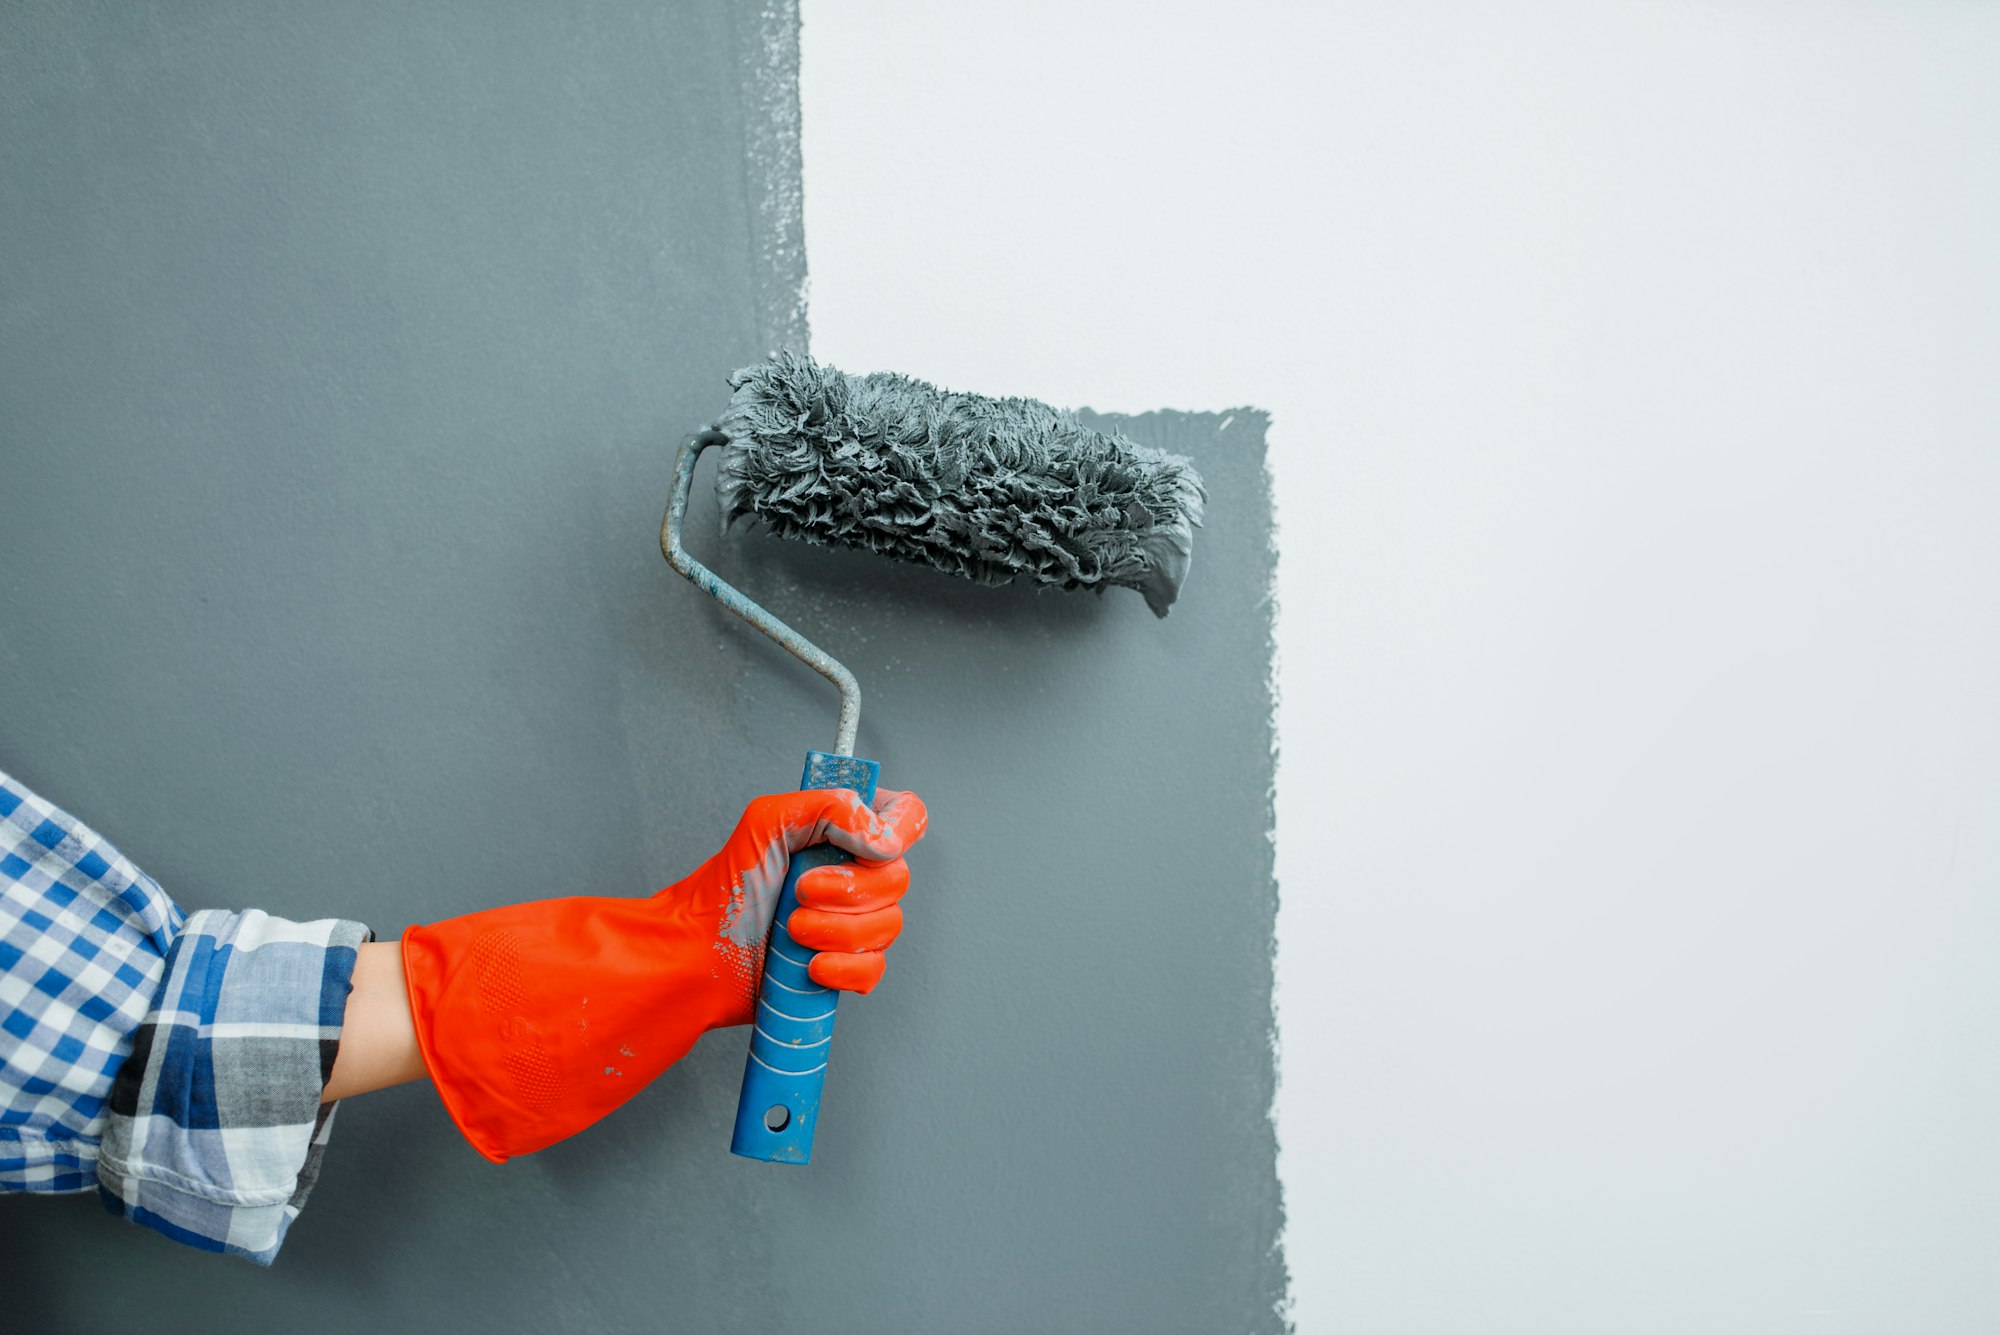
(991, 489)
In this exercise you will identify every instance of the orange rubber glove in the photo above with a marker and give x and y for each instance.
(537, 1019)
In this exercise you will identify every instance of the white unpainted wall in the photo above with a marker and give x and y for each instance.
(1637, 458)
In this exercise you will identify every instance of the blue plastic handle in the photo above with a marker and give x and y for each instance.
(779, 1108)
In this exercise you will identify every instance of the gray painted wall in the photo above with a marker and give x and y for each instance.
(343, 350)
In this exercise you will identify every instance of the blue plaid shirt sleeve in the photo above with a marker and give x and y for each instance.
(175, 1063)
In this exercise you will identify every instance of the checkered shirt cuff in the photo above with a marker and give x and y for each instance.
(215, 1129)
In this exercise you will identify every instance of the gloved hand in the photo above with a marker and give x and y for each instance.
(537, 1019)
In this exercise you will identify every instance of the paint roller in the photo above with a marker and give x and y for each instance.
(992, 489)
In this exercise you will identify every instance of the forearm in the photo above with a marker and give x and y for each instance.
(378, 1042)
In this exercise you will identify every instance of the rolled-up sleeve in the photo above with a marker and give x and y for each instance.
(173, 1062)
(215, 1128)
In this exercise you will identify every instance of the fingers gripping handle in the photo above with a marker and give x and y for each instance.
(793, 1036)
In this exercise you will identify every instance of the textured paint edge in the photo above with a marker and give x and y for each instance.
(1283, 1305)
(1286, 1306)
(771, 137)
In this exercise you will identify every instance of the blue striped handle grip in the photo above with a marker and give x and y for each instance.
(779, 1108)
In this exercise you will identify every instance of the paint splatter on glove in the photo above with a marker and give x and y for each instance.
(535, 1020)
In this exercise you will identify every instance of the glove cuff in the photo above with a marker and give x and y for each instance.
(535, 1020)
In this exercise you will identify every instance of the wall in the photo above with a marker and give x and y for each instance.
(1630, 371)
(343, 354)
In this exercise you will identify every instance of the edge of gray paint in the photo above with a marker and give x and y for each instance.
(1275, 1274)
(772, 150)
